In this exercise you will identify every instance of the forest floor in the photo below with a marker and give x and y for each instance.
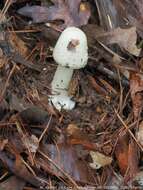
(99, 143)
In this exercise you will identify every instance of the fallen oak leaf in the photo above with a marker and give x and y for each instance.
(72, 12)
(125, 38)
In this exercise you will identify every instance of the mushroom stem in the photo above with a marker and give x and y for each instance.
(61, 80)
(60, 85)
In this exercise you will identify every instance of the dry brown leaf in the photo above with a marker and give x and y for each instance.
(99, 160)
(3, 143)
(77, 137)
(139, 134)
(18, 44)
(31, 143)
(125, 38)
(12, 183)
(115, 181)
(73, 131)
(97, 87)
(127, 157)
(3, 59)
(73, 86)
(2, 17)
(131, 10)
(72, 12)
(136, 88)
(18, 168)
(132, 161)
(66, 158)
(121, 153)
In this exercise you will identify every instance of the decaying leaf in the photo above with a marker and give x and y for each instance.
(139, 134)
(133, 159)
(99, 160)
(77, 137)
(125, 38)
(18, 44)
(31, 143)
(66, 158)
(34, 115)
(3, 59)
(115, 181)
(12, 183)
(2, 17)
(72, 12)
(97, 87)
(132, 11)
(3, 106)
(18, 168)
(74, 132)
(3, 143)
(136, 88)
(126, 152)
(121, 153)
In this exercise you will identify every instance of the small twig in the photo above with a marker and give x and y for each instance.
(112, 75)
(127, 128)
(42, 135)
(125, 100)
(121, 92)
(110, 51)
(24, 31)
(29, 167)
(45, 130)
(3, 176)
(5, 8)
(24, 138)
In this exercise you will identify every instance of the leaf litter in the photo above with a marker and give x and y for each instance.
(98, 144)
(72, 13)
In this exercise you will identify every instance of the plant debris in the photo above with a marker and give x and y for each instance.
(99, 160)
(125, 38)
(71, 12)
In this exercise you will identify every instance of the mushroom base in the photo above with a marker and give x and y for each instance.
(60, 85)
(62, 102)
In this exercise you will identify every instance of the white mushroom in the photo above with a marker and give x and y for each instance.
(70, 52)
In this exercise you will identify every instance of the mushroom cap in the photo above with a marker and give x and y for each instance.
(71, 49)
